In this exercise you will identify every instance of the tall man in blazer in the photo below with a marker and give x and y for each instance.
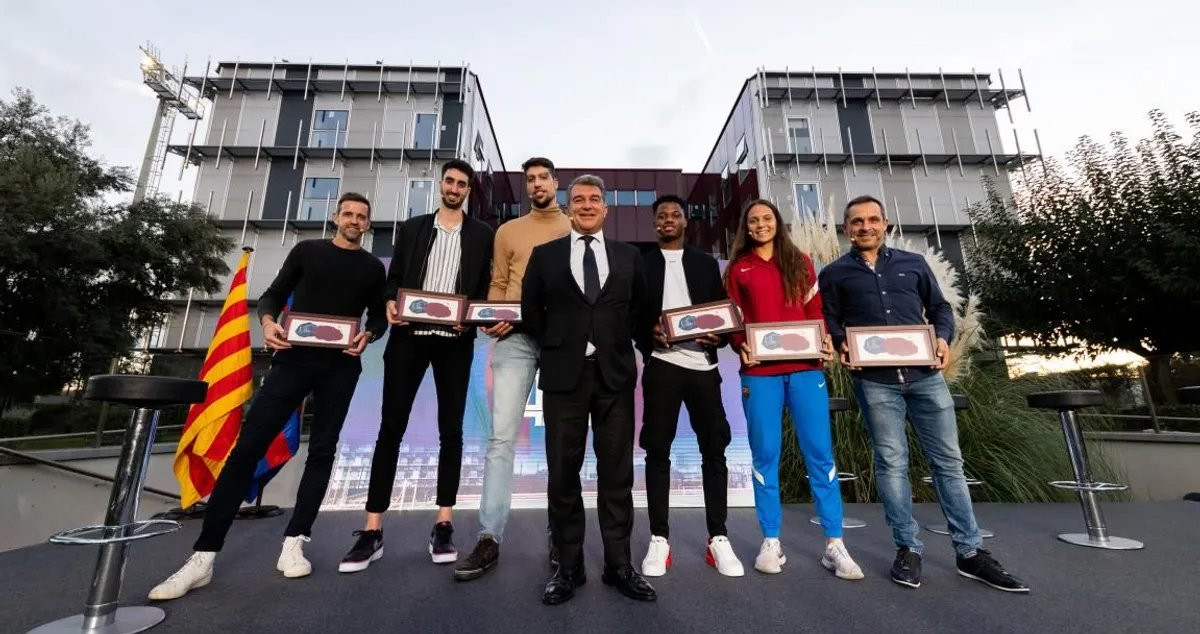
(584, 299)
(443, 252)
(683, 373)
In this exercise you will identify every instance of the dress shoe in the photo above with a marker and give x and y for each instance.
(629, 582)
(561, 586)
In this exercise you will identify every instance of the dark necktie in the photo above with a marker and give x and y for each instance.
(591, 272)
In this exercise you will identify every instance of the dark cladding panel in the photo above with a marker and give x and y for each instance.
(452, 115)
(281, 180)
(294, 110)
(853, 116)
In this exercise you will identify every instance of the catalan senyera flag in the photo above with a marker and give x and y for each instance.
(281, 450)
(212, 426)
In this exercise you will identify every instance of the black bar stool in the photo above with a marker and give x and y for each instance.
(1065, 403)
(838, 404)
(961, 402)
(148, 394)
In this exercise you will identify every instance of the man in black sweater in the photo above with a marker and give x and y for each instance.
(330, 277)
(443, 252)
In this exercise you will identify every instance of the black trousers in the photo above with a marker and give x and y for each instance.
(566, 415)
(664, 387)
(404, 364)
(331, 381)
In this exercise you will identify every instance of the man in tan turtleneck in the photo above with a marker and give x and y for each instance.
(514, 359)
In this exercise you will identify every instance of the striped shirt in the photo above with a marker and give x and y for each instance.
(441, 270)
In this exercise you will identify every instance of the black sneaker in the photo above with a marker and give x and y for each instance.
(982, 567)
(481, 560)
(441, 546)
(906, 570)
(368, 548)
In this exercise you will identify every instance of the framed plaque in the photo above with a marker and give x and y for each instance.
(785, 340)
(713, 318)
(320, 331)
(482, 312)
(875, 346)
(431, 308)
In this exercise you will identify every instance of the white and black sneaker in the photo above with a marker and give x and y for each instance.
(441, 544)
(368, 548)
(982, 567)
(906, 570)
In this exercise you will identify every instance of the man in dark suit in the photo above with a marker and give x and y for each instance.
(584, 300)
(683, 373)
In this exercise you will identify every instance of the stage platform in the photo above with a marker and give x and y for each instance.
(1074, 589)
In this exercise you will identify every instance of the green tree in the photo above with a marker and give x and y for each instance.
(83, 275)
(1103, 254)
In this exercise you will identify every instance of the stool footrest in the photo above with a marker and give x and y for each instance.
(971, 482)
(847, 522)
(842, 476)
(1097, 487)
(91, 535)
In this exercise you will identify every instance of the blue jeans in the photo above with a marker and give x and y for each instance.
(928, 404)
(514, 364)
(763, 398)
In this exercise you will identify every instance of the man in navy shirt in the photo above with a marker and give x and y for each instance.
(876, 285)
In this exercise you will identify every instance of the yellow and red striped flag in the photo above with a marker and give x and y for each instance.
(212, 426)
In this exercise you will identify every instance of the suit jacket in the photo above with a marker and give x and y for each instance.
(414, 241)
(558, 315)
(704, 285)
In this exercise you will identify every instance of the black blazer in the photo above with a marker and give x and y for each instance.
(704, 285)
(558, 315)
(414, 241)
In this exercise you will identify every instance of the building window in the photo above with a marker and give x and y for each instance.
(799, 136)
(329, 128)
(726, 185)
(156, 336)
(479, 160)
(320, 197)
(420, 198)
(808, 201)
(626, 197)
(561, 197)
(742, 153)
(610, 197)
(645, 198)
(425, 127)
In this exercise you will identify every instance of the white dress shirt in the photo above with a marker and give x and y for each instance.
(578, 245)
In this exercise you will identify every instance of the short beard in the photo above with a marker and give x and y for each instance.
(447, 205)
(349, 239)
(549, 203)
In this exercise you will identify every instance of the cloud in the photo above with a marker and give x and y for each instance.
(128, 86)
(699, 28)
(648, 156)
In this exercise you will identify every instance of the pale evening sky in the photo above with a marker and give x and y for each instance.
(621, 83)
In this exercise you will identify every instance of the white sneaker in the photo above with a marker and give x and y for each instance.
(838, 560)
(196, 573)
(720, 556)
(658, 557)
(770, 559)
(291, 560)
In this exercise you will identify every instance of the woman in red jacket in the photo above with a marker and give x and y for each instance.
(771, 280)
